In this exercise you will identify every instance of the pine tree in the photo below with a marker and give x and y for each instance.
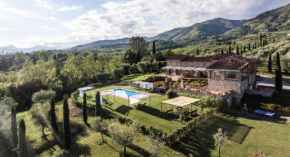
(14, 127)
(23, 150)
(153, 48)
(66, 124)
(269, 63)
(98, 110)
(238, 51)
(85, 116)
(278, 74)
(53, 116)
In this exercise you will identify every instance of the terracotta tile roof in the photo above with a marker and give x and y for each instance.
(198, 59)
(176, 57)
(229, 64)
(245, 59)
(220, 56)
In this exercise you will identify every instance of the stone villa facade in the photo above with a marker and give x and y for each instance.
(226, 73)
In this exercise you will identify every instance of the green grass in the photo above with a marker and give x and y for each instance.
(245, 137)
(135, 77)
(148, 115)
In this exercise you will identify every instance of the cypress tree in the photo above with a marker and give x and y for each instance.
(278, 74)
(230, 49)
(222, 51)
(153, 48)
(22, 147)
(14, 127)
(238, 51)
(242, 53)
(245, 49)
(249, 47)
(269, 63)
(85, 116)
(53, 116)
(197, 51)
(66, 124)
(98, 110)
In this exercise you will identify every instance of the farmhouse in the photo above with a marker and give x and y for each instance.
(225, 73)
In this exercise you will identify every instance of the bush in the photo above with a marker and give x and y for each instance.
(118, 72)
(159, 84)
(133, 69)
(171, 94)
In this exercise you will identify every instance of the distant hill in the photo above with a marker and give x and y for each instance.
(12, 49)
(101, 43)
(201, 30)
(274, 20)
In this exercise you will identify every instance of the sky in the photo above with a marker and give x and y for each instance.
(66, 23)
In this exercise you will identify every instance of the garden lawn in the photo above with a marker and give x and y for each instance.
(245, 137)
(148, 115)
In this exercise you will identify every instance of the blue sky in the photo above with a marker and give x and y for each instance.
(66, 23)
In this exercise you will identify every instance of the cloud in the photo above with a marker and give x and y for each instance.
(43, 4)
(148, 18)
(71, 8)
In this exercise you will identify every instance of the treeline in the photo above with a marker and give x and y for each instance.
(65, 72)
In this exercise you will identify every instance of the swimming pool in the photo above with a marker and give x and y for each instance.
(124, 93)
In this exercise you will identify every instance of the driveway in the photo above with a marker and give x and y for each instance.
(270, 82)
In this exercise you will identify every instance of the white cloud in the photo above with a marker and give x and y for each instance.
(71, 8)
(148, 18)
(131, 18)
(43, 4)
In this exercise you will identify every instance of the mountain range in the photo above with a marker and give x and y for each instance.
(12, 49)
(274, 20)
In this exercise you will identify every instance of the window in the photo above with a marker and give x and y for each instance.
(217, 74)
(230, 75)
(244, 74)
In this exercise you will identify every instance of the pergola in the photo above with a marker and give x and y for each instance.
(179, 102)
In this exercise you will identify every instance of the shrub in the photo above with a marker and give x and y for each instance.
(171, 94)
(159, 84)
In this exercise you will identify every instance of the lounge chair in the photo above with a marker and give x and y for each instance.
(137, 106)
(106, 101)
(179, 108)
(193, 113)
(169, 111)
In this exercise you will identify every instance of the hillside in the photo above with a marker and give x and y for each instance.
(274, 20)
(200, 30)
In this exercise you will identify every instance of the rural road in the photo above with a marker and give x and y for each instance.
(270, 82)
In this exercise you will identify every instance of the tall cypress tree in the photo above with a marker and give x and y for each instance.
(238, 50)
(222, 51)
(85, 116)
(98, 110)
(242, 53)
(269, 63)
(230, 49)
(53, 116)
(14, 127)
(66, 124)
(197, 51)
(153, 48)
(249, 47)
(22, 147)
(278, 74)
(245, 49)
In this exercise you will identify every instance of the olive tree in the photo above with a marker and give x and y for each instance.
(100, 125)
(122, 134)
(41, 107)
(220, 139)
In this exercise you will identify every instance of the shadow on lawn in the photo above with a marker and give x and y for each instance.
(124, 109)
(200, 141)
(155, 112)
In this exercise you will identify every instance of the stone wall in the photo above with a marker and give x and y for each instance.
(173, 63)
(195, 64)
(218, 85)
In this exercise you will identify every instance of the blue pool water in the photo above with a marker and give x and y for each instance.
(124, 93)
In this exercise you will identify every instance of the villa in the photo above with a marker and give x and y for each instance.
(225, 73)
